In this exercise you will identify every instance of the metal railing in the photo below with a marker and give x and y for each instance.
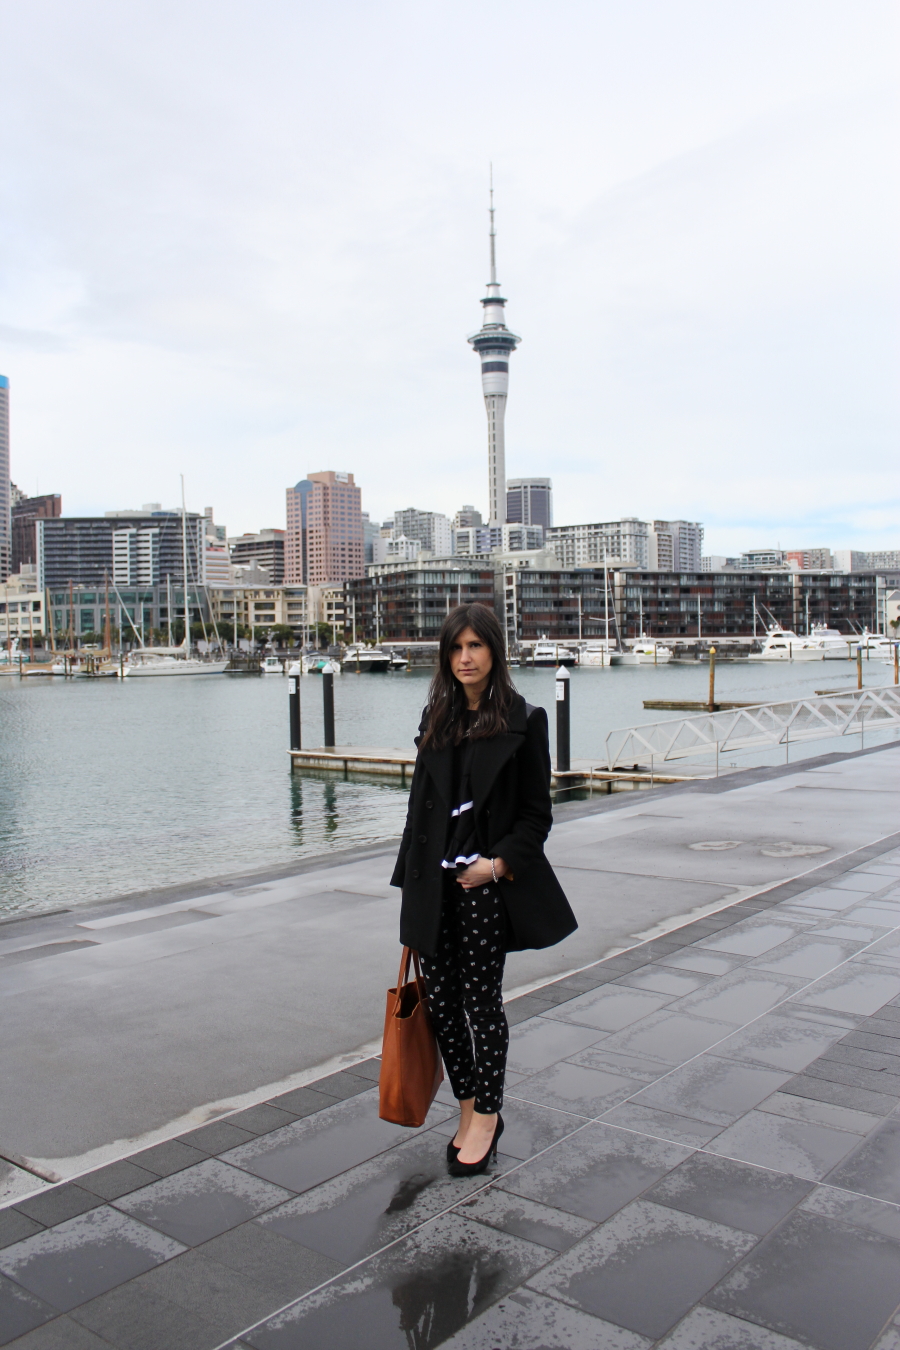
(763, 724)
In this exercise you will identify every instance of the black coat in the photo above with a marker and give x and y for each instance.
(511, 790)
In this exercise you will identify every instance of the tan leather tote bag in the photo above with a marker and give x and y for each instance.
(411, 1069)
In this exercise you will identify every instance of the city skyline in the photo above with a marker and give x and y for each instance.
(699, 243)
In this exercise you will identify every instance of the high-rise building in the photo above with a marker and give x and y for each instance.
(5, 522)
(334, 531)
(430, 528)
(466, 517)
(624, 542)
(853, 560)
(811, 559)
(494, 343)
(296, 562)
(529, 501)
(266, 549)
(82, 549)
(675, 546)
(371, 532)
(25, 511)
(483, 539)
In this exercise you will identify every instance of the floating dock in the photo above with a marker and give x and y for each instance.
(380, 762)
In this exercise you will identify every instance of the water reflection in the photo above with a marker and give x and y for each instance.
(438, 1300)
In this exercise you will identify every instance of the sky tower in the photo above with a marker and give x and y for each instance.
(493, 343)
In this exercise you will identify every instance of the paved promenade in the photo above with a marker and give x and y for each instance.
(703, 1134)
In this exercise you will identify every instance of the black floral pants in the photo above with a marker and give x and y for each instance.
(464, 979)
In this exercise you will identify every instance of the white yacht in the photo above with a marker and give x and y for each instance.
(546, 653)
(596, 654)
(782, 644)
(271, 665)
(366, 660)
(644, 652)
(836, 646)
(158, 661)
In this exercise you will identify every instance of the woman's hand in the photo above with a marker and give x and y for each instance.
(479, 873)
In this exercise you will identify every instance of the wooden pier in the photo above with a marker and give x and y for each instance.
(381, 762)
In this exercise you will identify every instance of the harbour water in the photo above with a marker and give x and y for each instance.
(110, 787)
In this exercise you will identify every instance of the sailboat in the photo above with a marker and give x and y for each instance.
(160, 661)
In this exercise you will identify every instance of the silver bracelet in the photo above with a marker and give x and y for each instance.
(493, 873)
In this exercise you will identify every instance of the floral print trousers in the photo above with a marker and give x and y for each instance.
(464, 979)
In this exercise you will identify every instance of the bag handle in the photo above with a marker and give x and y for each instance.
(409, 954)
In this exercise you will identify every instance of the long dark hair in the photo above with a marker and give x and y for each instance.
(445, 722)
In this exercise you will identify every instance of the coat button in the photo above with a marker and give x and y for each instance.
(429, 806)
(423, 838)
(415, 874)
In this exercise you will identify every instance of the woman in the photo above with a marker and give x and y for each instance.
(475, 880)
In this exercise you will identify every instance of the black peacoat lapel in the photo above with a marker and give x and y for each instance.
(439, 766)
(488, 758)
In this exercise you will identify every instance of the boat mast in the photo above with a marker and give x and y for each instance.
(184, 562)
(169, 604)
(71, 617)
(606, 598)
(107, 633)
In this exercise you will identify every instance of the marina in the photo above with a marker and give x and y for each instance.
(113, 786)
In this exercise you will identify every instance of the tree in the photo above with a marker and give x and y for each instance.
(324, 633)
(282, 634)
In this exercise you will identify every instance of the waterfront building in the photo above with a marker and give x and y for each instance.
(260, 606)
(400, 602)
(621, 542)
(494, 344)
(5, 485)
(24, 512)
(675, 545)
(80, 609)
(334, 537)
(217, 568)
(22, 614)
(296, 569)
(466, 517)
(430, 528)
(686, 606)
(529, 501)
(81, 549)
(266, 548)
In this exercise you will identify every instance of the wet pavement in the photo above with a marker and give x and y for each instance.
(702, 1152)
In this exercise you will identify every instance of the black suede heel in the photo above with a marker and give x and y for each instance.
(459, 1169)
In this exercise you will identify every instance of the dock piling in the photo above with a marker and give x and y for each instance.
(712, 679)
(859, 666)
(294, 703)
(328, 702)
(563, 720)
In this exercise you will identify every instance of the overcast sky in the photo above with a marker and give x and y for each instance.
(244, 241)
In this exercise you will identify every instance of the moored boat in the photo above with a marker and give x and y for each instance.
(366, 660)
(644, 652)
(782, 644)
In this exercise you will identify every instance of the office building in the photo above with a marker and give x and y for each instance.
(675, 545)
(25, 511)
(295, 542)
(396, 548)
(5, 521)
(334, 537)
(81, 549)
(21, 610)
(137, 613)
(430, 528)
(756, 558)
(529, 501)
(266, 548)
(135, 557)
(619, 542)
(494, 344)
(466, 517)
(371, 532)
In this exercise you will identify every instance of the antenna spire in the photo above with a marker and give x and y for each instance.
(493, 234)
